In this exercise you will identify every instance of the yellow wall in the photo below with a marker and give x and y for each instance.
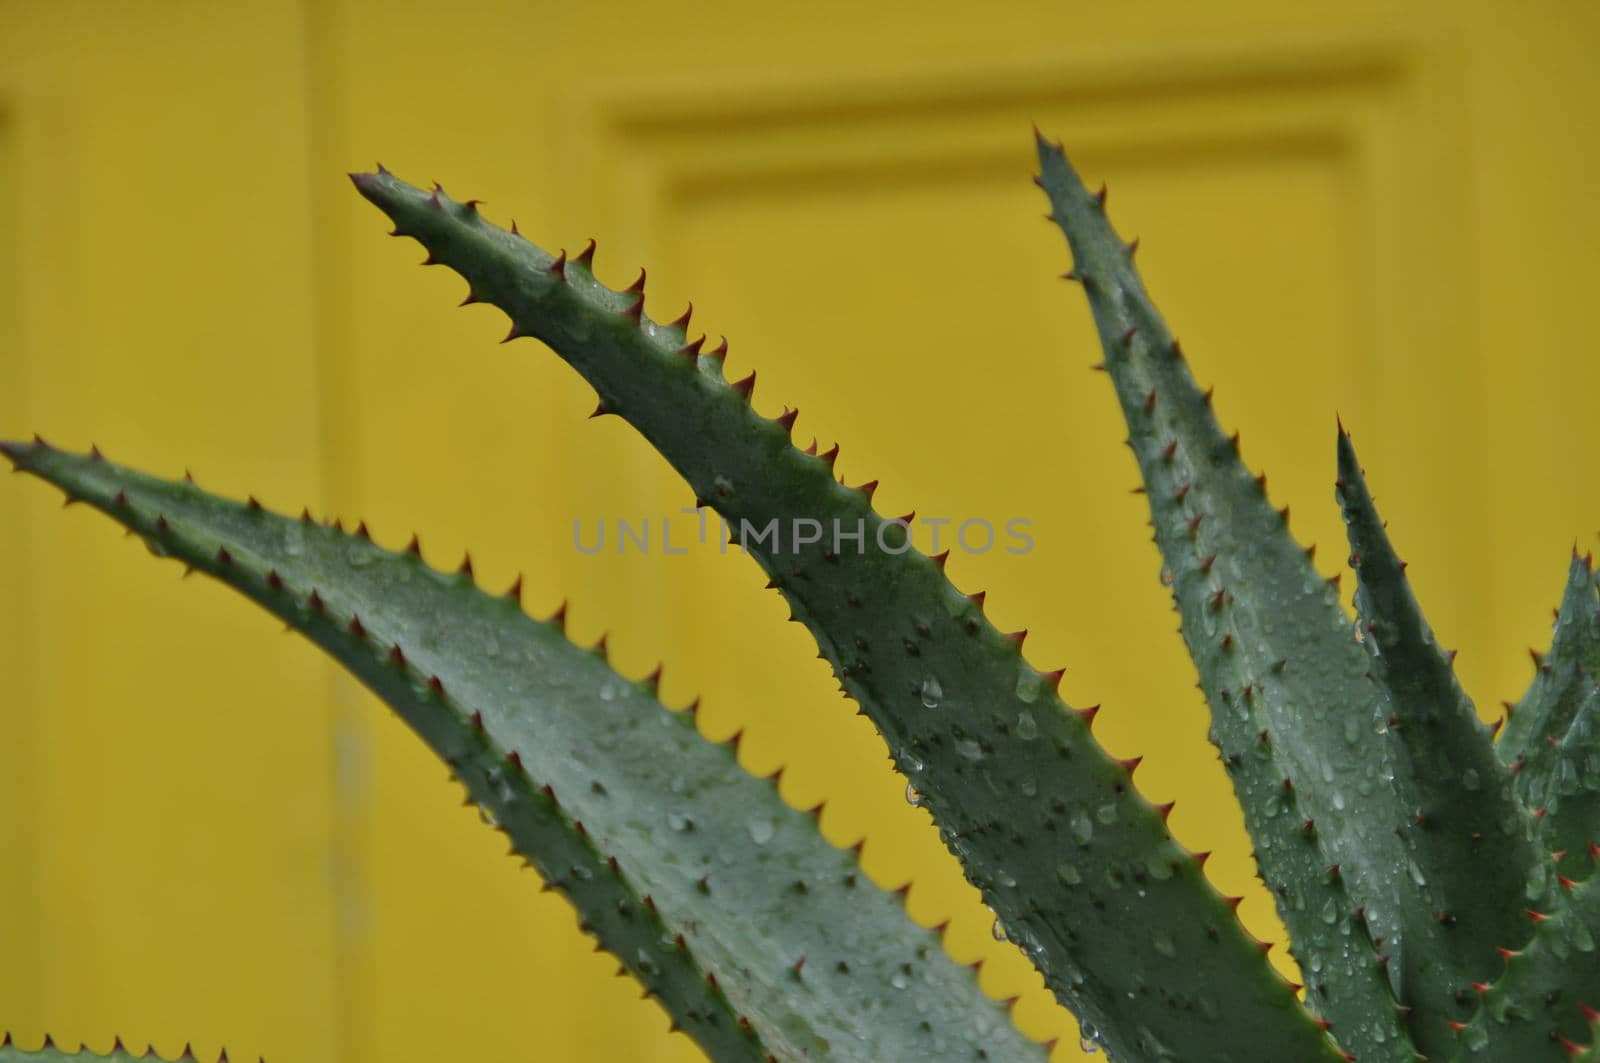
(207, 833)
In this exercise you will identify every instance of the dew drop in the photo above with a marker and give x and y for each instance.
(1166, 576)
(1469, 779)
(899, 980)
(998, 929)
(1538, 881)
(1027, 727)
(931, 692)
(761, 831)
(500, 782)
(913, 796)
(678, 821)
(1567, 781)
(1069, 874)
(1163, 944)
(969, 749)
(1082, 827)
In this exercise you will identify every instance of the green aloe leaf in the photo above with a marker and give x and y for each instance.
(1551, 738)
(1567, 798)
(756, 935)
(1291, 708)
(49, 1052)
(1562, 678)
(1470, 845)
(1540, 1009)
(1079, 867)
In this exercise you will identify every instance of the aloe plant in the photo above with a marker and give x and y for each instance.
(1436, 884)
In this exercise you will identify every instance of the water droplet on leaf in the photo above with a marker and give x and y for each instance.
(1082, 828)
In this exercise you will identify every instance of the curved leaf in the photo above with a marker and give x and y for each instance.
(1079, 867)
(755, 934)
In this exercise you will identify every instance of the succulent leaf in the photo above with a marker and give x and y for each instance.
(1562, 677)
(1539, 1010)
(756, 934)
(49, 1052)
(1551, 738)
(1079, 867)
(1470, 847)
(1567, 796)
(1346, 979)
(1278, 661)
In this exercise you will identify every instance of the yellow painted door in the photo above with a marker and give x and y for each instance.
(208, 834)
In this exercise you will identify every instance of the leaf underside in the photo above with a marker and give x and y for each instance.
(757, 936)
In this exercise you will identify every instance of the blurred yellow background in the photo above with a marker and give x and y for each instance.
(209, 834)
